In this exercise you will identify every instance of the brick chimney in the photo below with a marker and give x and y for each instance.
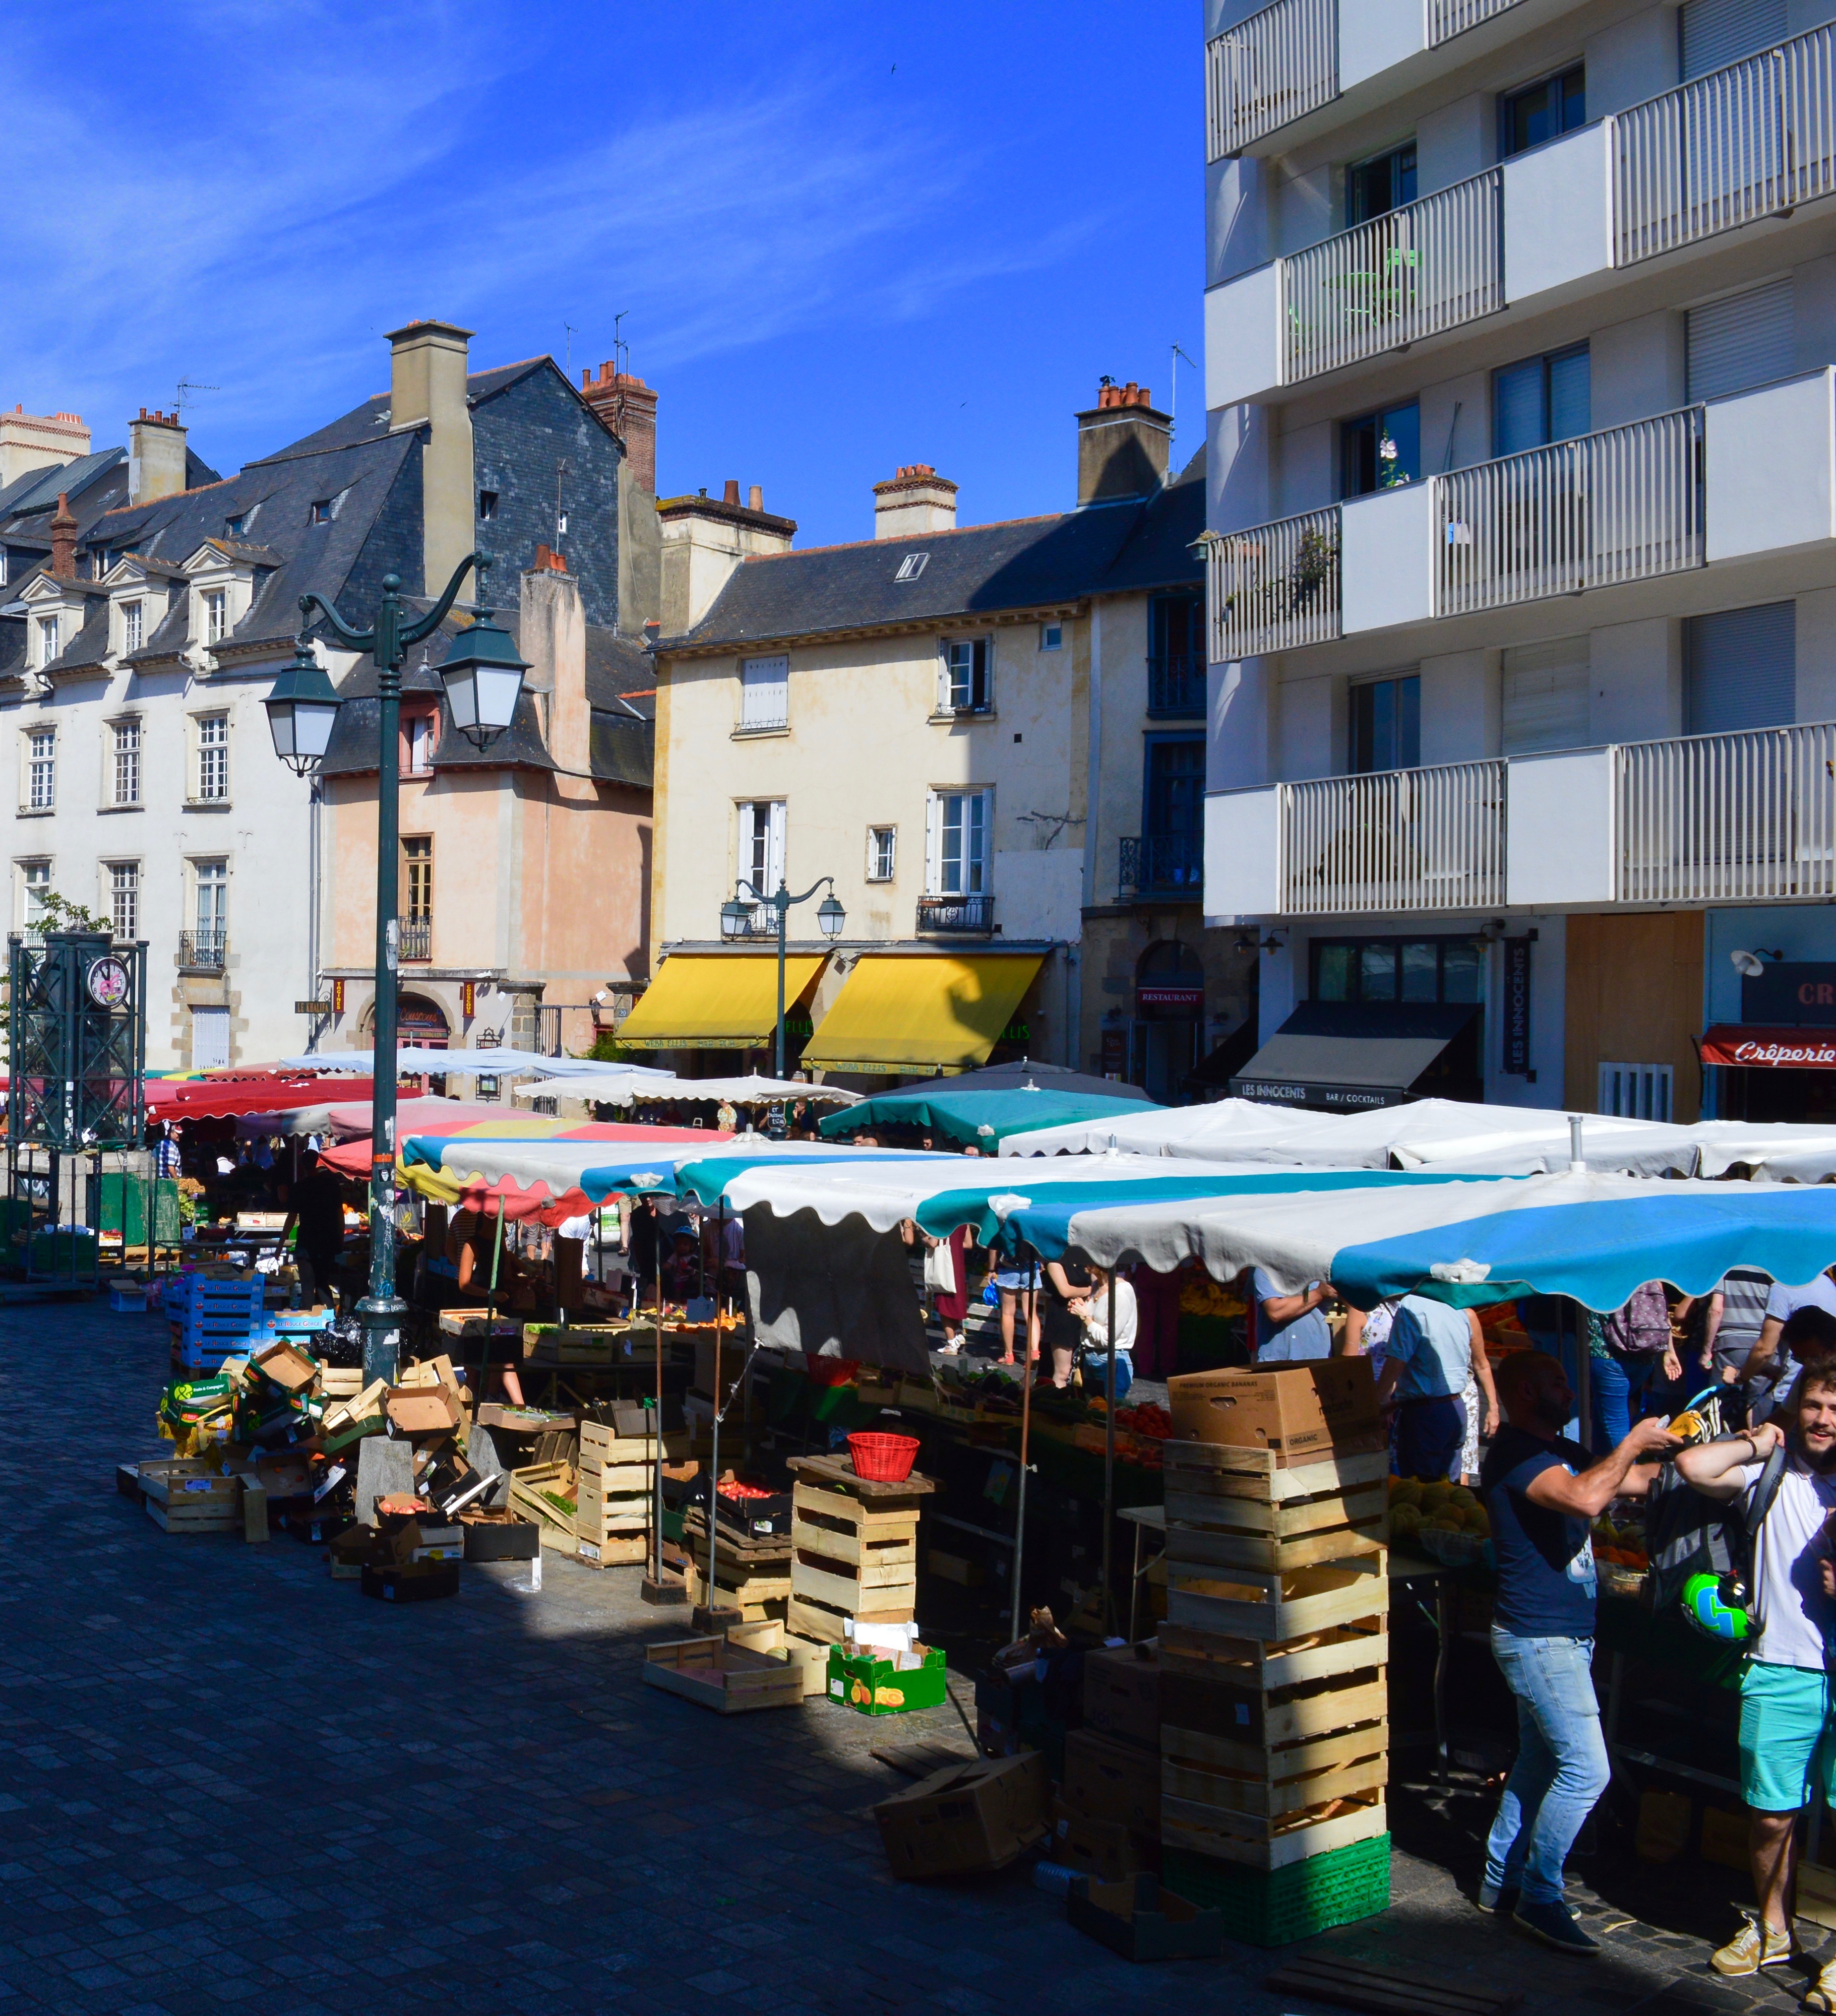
(156, 456)
(427, 389)
(704, 540)
(63, 540)
(1123, 445)
(39, 441)
(917, 501)
(629, 407)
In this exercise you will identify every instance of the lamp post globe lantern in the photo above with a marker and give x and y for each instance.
(736, 918)
(483, 676)
(302, 706)
(830, 916)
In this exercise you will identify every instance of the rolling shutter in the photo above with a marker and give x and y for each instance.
(1741, 342)
(209, 1038)
(1716, 32)
(1546, 697)
(1741, 669)
(765, 692)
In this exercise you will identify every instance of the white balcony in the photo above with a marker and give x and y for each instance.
(1276, 587)
(1746, 818)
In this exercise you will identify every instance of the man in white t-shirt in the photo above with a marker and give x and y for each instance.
(1785, 1693)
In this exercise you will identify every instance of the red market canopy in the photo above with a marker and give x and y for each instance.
(230, 1095)
(1794, 1050)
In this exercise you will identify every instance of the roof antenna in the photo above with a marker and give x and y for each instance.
(1173, 403)
(568, 350)
(189, 385)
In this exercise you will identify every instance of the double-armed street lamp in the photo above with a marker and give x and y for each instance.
(737, 915)
(483, 678)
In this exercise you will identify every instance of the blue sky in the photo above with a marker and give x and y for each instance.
(847, 234)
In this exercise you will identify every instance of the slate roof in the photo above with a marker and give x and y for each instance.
(37, 489)
(1020, 563)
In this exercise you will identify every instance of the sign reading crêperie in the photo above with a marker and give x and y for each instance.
(1788, 1049)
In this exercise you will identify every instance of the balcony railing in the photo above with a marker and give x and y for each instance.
(1431, 265)
(971, 916)
(1624, 505)
(1176, 685)
(1448, 18)
(414, 937)
(1276, 587)
(1163, 864)
(1751, 141)
(1716, 818)
(1397, 839)
(202, 952)
(1268, 70)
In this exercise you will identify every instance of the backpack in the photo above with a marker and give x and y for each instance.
(1702, 1549)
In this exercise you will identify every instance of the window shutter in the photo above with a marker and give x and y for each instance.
(943, 678)
(1716, 32)
(933, 845)
(1741, 669)
(1546, 697)
(1744, 341)
(981, 680)
(774, 847)
(984, 842)
(765, 689)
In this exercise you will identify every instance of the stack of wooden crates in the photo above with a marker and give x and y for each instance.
(854, 1548)
(1274, 1734)
(614, 1498)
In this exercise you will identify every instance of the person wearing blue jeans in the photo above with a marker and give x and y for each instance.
(1626, 1350)
(1542, 1502)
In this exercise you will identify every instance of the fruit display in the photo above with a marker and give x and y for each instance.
(1201, 1296)
(1621, 1542)
(1435, 1506)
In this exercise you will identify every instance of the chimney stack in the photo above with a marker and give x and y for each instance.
(156, 456)
(63, 540)
(1123, 445)
(629, 407)
(427, 389)
(917, 501)
(39, 441)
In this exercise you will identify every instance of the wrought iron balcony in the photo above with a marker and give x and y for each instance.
(971, 917)
(1176, 686)
(202, 952)
(1163, 864)
(414, 938)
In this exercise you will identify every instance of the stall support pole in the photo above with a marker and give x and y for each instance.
(1026, 1424)
(659, 1569)
(1109, 1463)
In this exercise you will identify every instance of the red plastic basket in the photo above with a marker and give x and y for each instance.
(883, 1459)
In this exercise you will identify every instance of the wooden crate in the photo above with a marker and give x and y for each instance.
(1278, 1604)
(1233, 1726)
(1278, 1783)
(730, 1679)
(1230, 1508)
(1204, 1655)
(183, 1497)
(1207, 1470)
(601, 1444)
(887, 1595)
(758, 1598)
(615, 1551)
(622, 1511)
(526, 1488)
(1260, 1844)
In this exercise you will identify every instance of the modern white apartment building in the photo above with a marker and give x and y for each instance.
(1521, 370)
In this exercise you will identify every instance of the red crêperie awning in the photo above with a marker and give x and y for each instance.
(1790, 1050)
(226, 1095)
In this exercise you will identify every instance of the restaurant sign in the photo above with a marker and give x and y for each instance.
(1793, 1049)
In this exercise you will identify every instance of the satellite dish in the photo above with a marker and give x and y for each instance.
(1747, 965)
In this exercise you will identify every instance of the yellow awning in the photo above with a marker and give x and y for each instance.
(715, 1001)
(920, 1014)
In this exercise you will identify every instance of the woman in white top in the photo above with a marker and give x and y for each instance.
(1093, 1311)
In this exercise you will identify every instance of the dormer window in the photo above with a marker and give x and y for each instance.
(912, 566)
(234, 528)
(50, 638)
(216, 614)
(320, 514)
(487, 506)
(133, 625)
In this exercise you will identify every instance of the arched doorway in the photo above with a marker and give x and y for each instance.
(1169, 1015)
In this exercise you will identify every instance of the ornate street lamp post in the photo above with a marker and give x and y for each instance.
(736, 922)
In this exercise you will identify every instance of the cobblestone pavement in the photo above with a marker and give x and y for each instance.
(232, 1783)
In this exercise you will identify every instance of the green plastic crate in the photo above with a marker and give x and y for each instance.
(1275, 1907)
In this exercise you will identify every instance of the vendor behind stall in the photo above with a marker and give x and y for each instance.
(316, 1204)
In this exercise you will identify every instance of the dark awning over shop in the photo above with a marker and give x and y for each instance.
(1347, 1056)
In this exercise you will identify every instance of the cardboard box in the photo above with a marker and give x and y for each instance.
(1105, 1849)
(967, 1819)
(423, 1410)
(872, 1684)
(1301, 1413)
(997, 1719)
(289, 1368)
(1107, 1780)
(1122, 1694)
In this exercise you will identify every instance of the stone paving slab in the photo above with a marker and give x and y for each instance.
(233, 1784)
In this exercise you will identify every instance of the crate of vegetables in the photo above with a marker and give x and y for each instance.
(746, 1507)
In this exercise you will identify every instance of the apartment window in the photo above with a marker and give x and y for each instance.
(1387, 724)
(1542, 111)
(320, 513)
(1740, 669)
(417, 739)
(50, 638)
(1385, 182)
(212, 883)
(124, 898)
(41, 770)
(216, 614)
(1740, 341)
(213, 757)
(34, 886)
(965, 676)
(133, 625)
(958, 832)
(762, 844)
(1540, 400)
(126, 765)
(1174, 802)
(487, 506)
(765, 692)
(882, 845)
(1378, 450)
(1052, 636)
(1398, 970)
(417, 865)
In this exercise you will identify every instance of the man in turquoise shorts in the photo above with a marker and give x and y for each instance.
(1785, 1745)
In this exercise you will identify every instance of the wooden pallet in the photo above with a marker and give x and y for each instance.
(1355, 1984)
(1277, 1604)
(1206, 1830)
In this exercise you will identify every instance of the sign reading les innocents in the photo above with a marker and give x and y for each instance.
(1791, 996)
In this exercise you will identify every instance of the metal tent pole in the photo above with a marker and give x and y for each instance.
(1109, 1462)
(1026, 1424)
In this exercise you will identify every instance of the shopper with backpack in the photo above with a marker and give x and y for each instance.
(1543, 1494)
(1785, 1691)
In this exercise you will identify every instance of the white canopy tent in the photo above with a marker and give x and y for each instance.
(625, 1087)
